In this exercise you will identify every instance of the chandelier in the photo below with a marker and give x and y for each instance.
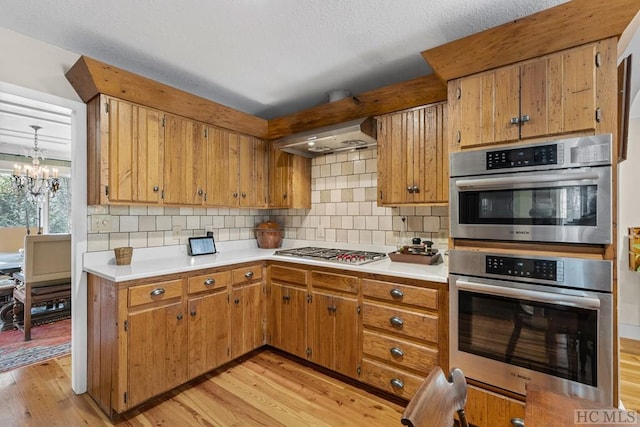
(35, 181)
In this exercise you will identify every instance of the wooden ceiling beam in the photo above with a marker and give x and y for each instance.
(561, 27)
(412, 93)
(90, 77)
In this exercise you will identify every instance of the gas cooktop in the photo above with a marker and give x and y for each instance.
(344, 256)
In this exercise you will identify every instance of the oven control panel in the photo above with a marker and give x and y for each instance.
(522, 157)
(525, 267)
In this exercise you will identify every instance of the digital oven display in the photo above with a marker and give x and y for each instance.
(521, 157)
(525, 267)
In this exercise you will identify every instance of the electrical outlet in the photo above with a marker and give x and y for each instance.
(320, 232)
(177, 230)
(100, 223)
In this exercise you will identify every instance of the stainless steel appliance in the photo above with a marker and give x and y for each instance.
(557, 191)
(517, 319)
(343, 256)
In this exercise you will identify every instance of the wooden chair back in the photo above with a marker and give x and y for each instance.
(47, 258)
(437, 400)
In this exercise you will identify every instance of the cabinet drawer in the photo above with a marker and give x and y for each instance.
(289, 275)
(403, 353)
(144, 294)
(402, 322)
(405, 294)
(336, 282)
(207, 282)
(247, 274)
(394, 381)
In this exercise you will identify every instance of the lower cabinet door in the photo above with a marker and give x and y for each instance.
(289, 331)
(157, 347)
(209, 327)
(247, 319)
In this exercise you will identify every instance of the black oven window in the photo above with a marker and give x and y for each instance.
(565, 206)
(549, 338)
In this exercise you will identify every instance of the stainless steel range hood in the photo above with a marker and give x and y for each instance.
(356, 134)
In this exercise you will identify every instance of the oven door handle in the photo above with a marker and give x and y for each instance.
(482, 183)
(569, 300)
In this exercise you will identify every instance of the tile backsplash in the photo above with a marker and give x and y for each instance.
(344, 209)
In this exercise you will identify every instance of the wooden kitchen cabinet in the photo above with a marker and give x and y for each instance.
(237, 170)
(289, 180)
(488, 409)
(248, 310)
(185, 161)
(334, 330)
(288, 309)
(404, 334)
(551, 95)
(413, 157)
(209, 322)
(125, 152)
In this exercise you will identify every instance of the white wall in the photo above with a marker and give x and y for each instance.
(35, 70)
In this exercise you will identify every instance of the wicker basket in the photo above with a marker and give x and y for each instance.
(123, 255)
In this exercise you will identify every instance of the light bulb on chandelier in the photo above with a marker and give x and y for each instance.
(35, 181)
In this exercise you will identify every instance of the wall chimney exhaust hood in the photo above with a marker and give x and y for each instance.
(355, 134)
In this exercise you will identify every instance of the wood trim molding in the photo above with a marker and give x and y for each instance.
(412, 93)
(90, 78)
(570, 24)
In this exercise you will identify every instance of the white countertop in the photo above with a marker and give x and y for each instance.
(150, 262)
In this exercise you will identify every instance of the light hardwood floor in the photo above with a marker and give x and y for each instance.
(263, 390)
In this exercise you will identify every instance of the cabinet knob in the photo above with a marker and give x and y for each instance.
(397, 383)
(410, 189)
(396, 352)
(396, 293)
(286, 298)
(236, 301)
(284, 196)
(235, 195)
(244, 195)
(193, 313)
(416, 189)
(200, 192)
(157, 292)
(248, 274)
(179, 316)
(332, 309)
(156, 189)
(210, 281)
(396, 321)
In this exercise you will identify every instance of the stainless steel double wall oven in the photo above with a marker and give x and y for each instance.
(519, 316)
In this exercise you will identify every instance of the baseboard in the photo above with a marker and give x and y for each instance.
(629, 331)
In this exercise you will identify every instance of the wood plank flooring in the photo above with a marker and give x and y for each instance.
(265, 389)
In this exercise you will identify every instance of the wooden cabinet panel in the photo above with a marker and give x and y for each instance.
(290, 275)
(395, 381)
(222, 181)
(336, 282)
(289, 308)
(289, 180)
(136, 152)
(487, 409)
(209, 332)
(207, 282)
(405, 354)
(247, 274)
(247, 319)
(144, 294)
(413, 156)
(185, 161)
(252, 171)
(398, 293)
(402, 322)
(157, 343)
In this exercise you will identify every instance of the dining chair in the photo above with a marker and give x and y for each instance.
(437, 400)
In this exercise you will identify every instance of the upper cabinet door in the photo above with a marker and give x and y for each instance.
(185, 161)
(252, 171)
(136, 152)
(221, 173)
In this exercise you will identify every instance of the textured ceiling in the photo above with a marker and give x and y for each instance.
(264, 57)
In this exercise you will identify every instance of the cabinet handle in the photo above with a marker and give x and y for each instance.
(286, 298)
(210, 281)
(200, 192)
(525, 118)
(396, 352)
(193, 313)
(179, 316)
(416, 189)
(156, 189)
(157, 292)
(396, 321)
(248, 274)
(396, 293)
(332, 309)
(514, 120)
(236, 301)
(284, 196)
(410, 189)
(235, 195)
(397, 383)
(244, 195)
